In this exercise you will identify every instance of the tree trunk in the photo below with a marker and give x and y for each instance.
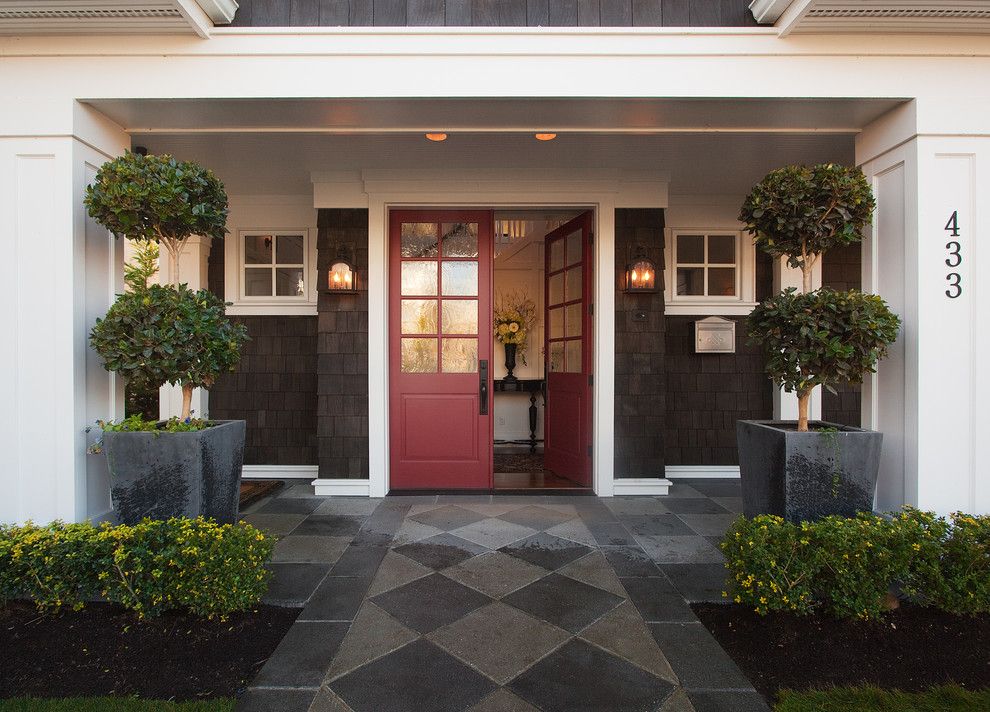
(187, 391)
(806, 272)
(804, 400)
(173, 265)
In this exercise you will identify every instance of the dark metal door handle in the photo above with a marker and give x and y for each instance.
(483, 386)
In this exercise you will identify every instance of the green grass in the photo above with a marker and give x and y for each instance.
(112, 704)
(870, 699)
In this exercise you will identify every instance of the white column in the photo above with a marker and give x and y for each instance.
(193, 268)
(785, 404)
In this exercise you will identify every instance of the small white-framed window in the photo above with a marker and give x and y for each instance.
(709, 271)
(274, 266)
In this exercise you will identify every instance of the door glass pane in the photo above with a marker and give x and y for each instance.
(556, 255)
(690, 280)
(419, 356)
(419, 316)
(557, 323)
(460, 239)
(460, 316)
(258, 282)
(460, 279)
(289, 250)
(418, 240)
(573, 320)
(690, 249)
(722, 249)
(289, 282)
(556, 285)
(721, 281)
(556, 356)
(573, 289)
(574, 247)
(460, 355)
(419, 278)
(573, 356)
(258, 250)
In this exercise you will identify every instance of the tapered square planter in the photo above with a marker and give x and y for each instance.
(161, 475)
(806, 476)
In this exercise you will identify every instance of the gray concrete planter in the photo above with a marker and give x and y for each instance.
(161, 475)
(806, 476)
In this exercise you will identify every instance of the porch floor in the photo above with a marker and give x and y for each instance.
(498, 603)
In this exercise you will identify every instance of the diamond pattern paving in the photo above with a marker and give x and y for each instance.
(495, 574)
(440, 551)
(447, 518)
(566, 603)
(546, 550)
(428, 603)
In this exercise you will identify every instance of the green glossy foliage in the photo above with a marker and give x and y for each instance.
(193, 565)
(163, 335)
(823, 337)
(800, 211)
(157, 198)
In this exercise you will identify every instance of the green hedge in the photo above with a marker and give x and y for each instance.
(194, 565)
(846, 566)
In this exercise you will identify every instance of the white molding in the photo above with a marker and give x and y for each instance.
(641, 486)
(220, 11)
(768, 11)
(702, 471)
(279, 472)
(711, 309)
(327, 487)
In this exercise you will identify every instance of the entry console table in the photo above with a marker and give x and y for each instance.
(532, 386)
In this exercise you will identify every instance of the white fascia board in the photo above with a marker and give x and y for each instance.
(220, 11)
(767, 12)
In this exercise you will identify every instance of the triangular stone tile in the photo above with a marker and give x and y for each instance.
(420, 508)
(373, 634)
(493, 510)
(495, 573)
(328, 701)
(493, 533)
(678, 702)
(595, 570)
(412, 531)
(575, 530)
(396, 570)
(623, 633)
(503, 701)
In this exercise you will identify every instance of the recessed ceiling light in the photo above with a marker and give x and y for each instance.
(545, 136)
(437, 136)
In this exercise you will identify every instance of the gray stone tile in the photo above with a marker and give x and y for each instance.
(495, 574)
(575, 530)
(623, 632)
(496, 507)
(289, 505)
(420, 508)
(657, 599)
(698, 582)
(493, 533)
(338, 598)
(449, 517)
(429, 603)
(499, 640)
(594, 570)
(415, 678)
(303, 656)
(411, 531)
(276, 524)
(300, 490)
(255, 700)
(545, 550)
(564, 602)
(329, 525)
(348, 506)
(636, 505)
(580, 676)
(373, 634)
(718, 487)
(462, 499)
(359, 561)
(396, 570)
(697, 658)
(609, 533)
(440, 551)
(724, 701)
(678, 702)
(630, 561)
(681, 490)
(293, 584)
(680, 549)
(311, 549)
(503, 701)
(536, 517)
(694, 505)
(733, 504)
(328, 701)
(656, 525)
(708, 524)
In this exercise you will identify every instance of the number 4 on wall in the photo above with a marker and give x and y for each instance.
(955, 257)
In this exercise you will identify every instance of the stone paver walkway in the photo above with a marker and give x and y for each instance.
(499, 603)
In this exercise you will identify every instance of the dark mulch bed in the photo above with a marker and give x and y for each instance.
(911, 650)
(106, 650)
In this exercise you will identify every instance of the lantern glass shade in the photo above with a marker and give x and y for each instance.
(641, 276)
(341, 277)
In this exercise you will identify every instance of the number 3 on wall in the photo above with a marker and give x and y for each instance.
(955, 257)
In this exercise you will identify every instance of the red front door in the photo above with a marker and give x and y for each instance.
(440, 341)
(567, 436)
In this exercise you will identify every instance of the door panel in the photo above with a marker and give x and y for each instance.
(440, 342)
(568, 277)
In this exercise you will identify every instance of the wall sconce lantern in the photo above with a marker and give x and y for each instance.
(641, 274)
(341, 278)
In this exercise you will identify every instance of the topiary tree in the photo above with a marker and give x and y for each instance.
(159, 335)
(799, 212)
(160, 199)
(821, 338)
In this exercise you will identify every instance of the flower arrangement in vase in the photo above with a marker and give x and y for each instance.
(515, 315)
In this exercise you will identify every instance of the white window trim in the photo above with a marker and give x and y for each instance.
(243, 305)
(741, 304)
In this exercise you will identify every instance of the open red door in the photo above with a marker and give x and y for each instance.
(440, 341)
(567, 434)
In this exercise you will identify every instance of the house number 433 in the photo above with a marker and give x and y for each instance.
(954, 257)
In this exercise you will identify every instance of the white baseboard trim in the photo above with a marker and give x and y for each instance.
(325, 486)
(640, 486)
(702, 471)
(279, 472)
